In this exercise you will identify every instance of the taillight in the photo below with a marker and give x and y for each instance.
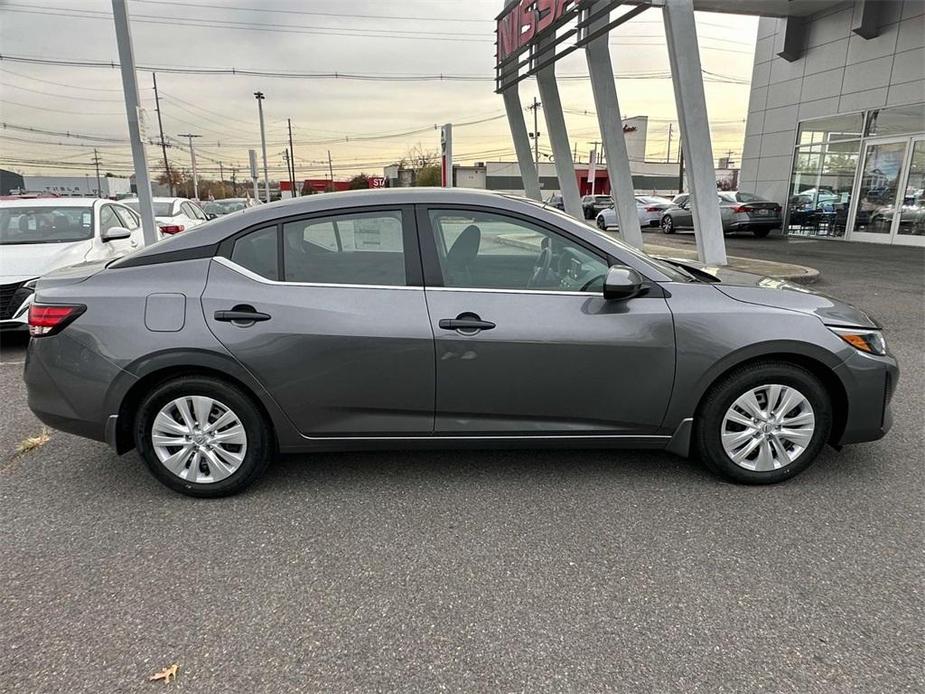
(653, 209)
(172, 228)
(47, 320)
(742, 208)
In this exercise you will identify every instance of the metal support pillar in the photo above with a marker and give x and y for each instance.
(132, 112)
(687, 79)
(558, 139)
(600, 68)
(515, 119)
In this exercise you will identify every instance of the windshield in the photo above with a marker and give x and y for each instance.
(20, 224)
(161, 209)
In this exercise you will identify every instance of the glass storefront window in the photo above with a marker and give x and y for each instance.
(820, 188)
(830, 129)
(898, 120)
(912, 216)
(879, 187)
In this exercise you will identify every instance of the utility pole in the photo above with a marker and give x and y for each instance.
(234, 182)
(537, 105)
(99, 186)
(192, 156)
(291, 158)
(133, 115)
(331, 170)
(221, 173)
(160, 127)
(288, 173)
(668, 154)
(263, 142)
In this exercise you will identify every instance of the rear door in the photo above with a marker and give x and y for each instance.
(328, 312)
(526, 343)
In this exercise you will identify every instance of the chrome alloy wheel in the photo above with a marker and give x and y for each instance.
(768, 428)
(199, 439)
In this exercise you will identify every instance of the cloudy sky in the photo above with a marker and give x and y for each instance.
(375, 39)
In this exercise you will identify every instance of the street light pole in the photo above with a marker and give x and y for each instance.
(291, 157)
(263, 143)
(192, 156)
(160, 127)
(133, 115)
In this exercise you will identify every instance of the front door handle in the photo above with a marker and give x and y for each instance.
(241, 314)
(465, 323)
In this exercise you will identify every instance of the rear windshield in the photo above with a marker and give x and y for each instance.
(20, 224)
(746, 197)
(601, 198)
(161, 209)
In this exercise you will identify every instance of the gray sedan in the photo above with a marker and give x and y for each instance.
(739, 212)
(441, 318)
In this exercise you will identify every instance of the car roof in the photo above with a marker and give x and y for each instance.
(52, 202)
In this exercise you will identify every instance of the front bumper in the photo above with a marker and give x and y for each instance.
(869, 382)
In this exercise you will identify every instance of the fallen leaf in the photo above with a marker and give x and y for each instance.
(30, 443)
(165, 674)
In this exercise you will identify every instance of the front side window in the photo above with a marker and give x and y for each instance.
(108, 218)
(485, 250)
(359, 248)
(128, 218)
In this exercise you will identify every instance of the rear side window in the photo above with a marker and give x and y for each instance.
(258, 251)
(360, 248)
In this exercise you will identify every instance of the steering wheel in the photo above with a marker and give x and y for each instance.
(540, 267)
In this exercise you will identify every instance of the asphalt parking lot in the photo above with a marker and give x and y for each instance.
(480, 571)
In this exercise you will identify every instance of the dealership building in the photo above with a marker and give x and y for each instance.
(836, 120)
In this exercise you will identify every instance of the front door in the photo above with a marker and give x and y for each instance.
(328, 313)
(890, 205)
(526, 343)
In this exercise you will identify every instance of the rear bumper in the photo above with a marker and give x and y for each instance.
(758, 223)
(869, 383)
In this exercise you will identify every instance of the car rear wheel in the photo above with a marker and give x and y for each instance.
(763, 423)
(600, 223)
(202, 436)
(667, 224)
(761, 233)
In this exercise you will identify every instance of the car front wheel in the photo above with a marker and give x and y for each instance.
(202, 436)
(667, 224)
(600, 223)
(763, 423)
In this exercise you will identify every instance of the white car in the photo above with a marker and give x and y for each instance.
(38, 235)
(649, 208)
(173, 215)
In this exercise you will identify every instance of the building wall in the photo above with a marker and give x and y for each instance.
(838, 72)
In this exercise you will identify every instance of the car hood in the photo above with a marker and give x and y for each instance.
(768, 291)
(26, 261)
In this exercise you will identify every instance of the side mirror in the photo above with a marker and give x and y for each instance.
(622, 283)
(114, 234)
(211, 215)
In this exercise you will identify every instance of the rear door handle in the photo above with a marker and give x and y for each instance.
(466, 323)
(242, 314)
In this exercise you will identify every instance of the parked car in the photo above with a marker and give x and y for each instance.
(218, 208)
(739, 212)
(649, 207)
(556, 201)
(173, 215)
(419, 317)
(41, 234)
(591, 205)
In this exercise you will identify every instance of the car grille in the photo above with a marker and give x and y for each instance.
(8, 302)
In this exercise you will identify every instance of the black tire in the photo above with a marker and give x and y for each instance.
(667, 224)
(600, 224)
(259, 448)
(761, 233)
(707, 442)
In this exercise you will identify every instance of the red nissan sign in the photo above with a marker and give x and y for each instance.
(526, 21)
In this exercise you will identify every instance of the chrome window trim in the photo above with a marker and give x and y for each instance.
(552, 292)
(231, 265)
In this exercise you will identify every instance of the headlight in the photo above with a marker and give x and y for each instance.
(866, 340)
